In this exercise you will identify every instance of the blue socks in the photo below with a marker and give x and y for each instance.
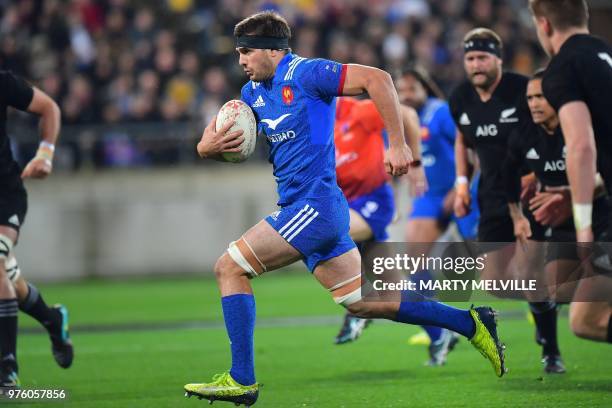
(239, 315)
(434, 332)
(416, 309)
(424, 275)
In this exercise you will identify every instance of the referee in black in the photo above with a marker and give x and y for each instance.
(578, 84)
(486, 108)
(15, 292)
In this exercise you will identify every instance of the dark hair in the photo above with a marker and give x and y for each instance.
(267, 24)
(538, 74)
(562, 14)
(481, 33)
(420, 74)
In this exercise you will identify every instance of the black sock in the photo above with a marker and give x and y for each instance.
(610, 329)
(8, 332)
(35, 306)
(545, 316)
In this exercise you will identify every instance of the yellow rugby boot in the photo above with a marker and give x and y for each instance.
(485, 338)
(224, 388)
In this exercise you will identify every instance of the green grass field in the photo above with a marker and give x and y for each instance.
(137, 343)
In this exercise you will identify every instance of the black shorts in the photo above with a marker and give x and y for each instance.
(500, 228)
(561, 244)
(562, 239)
(602, 256)
(602, 219)
(13, 206)
(495, 229)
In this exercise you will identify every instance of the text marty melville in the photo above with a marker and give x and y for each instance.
(488, 285)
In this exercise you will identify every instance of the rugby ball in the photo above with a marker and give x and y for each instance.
(241, 113)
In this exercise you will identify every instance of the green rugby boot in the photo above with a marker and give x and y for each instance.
(224, 388)
(485, 338)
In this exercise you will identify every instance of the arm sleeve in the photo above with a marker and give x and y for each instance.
(561, 85)
(513, 161)
(16, 92)
(323, 78)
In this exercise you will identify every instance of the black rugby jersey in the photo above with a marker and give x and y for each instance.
(486, 127)
(14, 92)
(543, 153)
(582, 71)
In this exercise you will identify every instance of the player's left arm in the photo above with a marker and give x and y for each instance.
(378, 84)
(49, 126)
(575, 119)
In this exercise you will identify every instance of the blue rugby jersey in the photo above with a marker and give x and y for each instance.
(438, 144)
(295, 112)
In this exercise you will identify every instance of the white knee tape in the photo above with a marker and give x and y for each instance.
(349, 298)
(236, 255)
(6, 245)
(12, 269)
(346, 282)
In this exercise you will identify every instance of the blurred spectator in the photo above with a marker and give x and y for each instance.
(120, 61)
(146, 58)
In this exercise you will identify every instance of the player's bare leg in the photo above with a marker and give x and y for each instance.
(423, 232)
(592, 320)
(342, 277)
(353, 326)
(265, 249)
(360, 230)
(562, 278)
(259, 250)
(54, 319)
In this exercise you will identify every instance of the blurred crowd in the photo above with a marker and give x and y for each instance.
(109, 61)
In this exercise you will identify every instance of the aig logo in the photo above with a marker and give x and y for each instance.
(486, 130)
(555, 165)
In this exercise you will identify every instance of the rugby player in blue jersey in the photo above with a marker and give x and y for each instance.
(432, 211)
(294, 102)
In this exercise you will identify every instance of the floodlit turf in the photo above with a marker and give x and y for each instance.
(299, 366)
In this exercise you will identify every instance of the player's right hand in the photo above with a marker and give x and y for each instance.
(397, 160)
(462, 200)
(551, 208)
(215, 142)
(37, 168)
(522, 230)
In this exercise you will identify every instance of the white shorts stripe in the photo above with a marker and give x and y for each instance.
(297, 224)
(280, 231)
(303, 226)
